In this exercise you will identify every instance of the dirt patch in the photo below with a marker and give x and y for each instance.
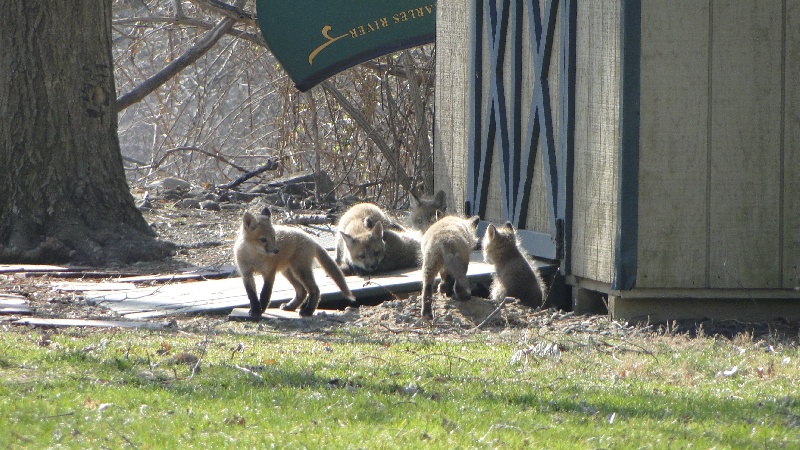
(205, 236)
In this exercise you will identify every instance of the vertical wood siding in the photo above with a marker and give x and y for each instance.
(596, 140)
(451, 128)
(791, 145)
(717, 183)
(674, 144)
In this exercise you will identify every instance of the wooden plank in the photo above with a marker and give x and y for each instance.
(80, 286)
(224, 295)
(242, 314)
(450, 128)
(659, 310)
(791, 149)
(674, 142)
(12, 299)
(13, 305)
(596, 139)
(201, 274)
(15, 268)
(745, 144)
(50, 323)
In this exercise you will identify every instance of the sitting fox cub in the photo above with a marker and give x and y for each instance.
(446, 247)
(262, 248)
(515, 276)
(425, 210)
(365, 243)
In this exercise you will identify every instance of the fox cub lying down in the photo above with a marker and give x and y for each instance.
(446, 247)
(265, 249)
(369, 242)
(515, 276)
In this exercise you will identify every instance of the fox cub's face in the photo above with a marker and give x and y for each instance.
(258, 231)
(425, 211)
(366, 250)
(497, 241)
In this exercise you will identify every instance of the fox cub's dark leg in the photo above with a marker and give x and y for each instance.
(310, 305)
(428, 275)
(299, 291)
(252, 295)
(312, 300)
(462, 290)
(447, 283)
(266, 292)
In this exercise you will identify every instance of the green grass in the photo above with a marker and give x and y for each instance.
(353, 389)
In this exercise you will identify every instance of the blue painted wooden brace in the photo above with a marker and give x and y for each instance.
(499, 23)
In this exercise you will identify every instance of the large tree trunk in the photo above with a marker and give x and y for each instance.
(63, 193)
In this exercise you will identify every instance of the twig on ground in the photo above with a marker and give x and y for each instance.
(272, 164)
(500, 306)
(250, 372)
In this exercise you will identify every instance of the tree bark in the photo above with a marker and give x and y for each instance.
(63, 193)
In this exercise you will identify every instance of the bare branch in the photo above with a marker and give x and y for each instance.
(269, 165)
(233, 11)
(193, 54)
(372, 133)
(214, 155)
(255, 38)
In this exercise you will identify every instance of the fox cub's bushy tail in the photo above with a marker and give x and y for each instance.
(265, 249)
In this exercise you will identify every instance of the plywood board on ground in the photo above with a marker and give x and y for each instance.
(13, 304)
(49, 323)
(242, 314)
(221, 296)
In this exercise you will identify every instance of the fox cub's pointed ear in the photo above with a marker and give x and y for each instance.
(490, 231)
(441, 200)
(378, 230)
(248, 219)
(509, 227)
(414, 200)
(474, 221)
(266, 212)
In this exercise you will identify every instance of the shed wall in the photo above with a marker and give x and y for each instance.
(597, 80)
(451, 127)
(714, 184)
(791, 143)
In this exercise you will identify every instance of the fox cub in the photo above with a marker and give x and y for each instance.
(263, 248)
(515, 276)
(426, 210)
(365, 243)
(446, 247)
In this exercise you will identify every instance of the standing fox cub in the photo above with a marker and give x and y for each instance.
(365, 243)
(515, 276)
(446, 247)
(425, 211)
(262, 248)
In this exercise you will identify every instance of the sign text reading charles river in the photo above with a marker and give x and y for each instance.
(314, 39)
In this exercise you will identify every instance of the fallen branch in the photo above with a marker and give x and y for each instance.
(250, 372)
(505, 300)
(271, 164)
(308, 219)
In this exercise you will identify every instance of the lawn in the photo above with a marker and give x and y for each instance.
(251, 386)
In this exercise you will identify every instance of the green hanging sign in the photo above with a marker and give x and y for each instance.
(314, 40)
